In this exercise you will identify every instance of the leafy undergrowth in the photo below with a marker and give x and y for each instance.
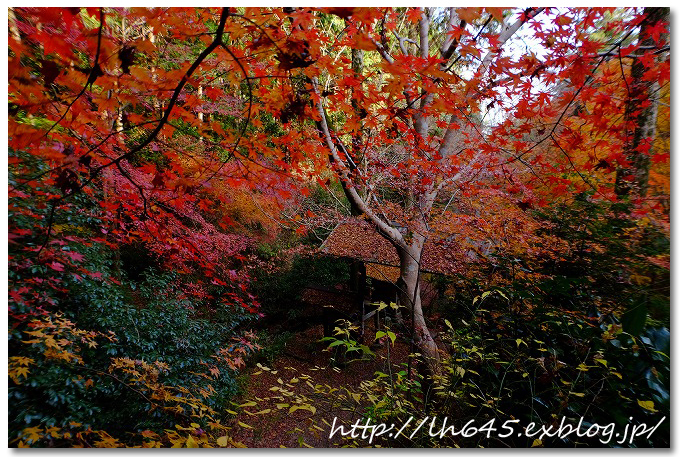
(545, 366)
(293, 401)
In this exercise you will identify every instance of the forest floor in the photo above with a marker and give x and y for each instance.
(305, 354)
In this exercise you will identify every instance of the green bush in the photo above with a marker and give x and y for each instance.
(542, 366)
(64, 376)
(280, 293)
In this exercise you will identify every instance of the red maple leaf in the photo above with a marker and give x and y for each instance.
(56, 266)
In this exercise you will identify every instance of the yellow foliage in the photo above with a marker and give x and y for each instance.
(59, 338)
(18, 368)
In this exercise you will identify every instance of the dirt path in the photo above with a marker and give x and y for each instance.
(304, 354)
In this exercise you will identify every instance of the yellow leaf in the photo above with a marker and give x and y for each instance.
(22, 360)
(648, 405)
(191, 442)
(53, 432)
(50, 342)
(623, 396)
(223, 441)
(32, 433)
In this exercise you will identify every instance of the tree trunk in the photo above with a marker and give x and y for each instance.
(154, 77)
(357, 136)
(200, 112)
(409, 296)
(641, 110)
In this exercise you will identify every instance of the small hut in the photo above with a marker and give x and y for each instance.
(374, 257)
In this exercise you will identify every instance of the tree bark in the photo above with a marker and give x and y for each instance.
(200, 96)
(357, 136)
(409, 295)
(641, 110)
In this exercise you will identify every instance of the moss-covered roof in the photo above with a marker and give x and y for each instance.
(357, 239)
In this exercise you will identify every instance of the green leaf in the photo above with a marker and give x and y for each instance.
(336, 343)
(634, 318)
(366, 350)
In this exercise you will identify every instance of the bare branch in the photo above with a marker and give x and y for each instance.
(450, 44)
(508, 31)
(392, 233)
(424, 32)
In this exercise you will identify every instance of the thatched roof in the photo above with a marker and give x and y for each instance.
(357, 239)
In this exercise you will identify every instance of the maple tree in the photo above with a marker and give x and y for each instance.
(193, 132)
(408, 121)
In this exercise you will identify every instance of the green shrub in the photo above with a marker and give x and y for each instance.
(280, 292)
